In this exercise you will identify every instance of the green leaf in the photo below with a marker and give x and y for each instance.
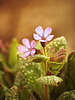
(69, 78)
(12, 94)
(49, 80)
(3, 91)
(25, 94)
(67, 96)
(70, 72)
(3, 61)
(55, 67)
(58, 43)
(13, 52)
(31, 72)
(8, 78)
(1, 77)
(38, 58)
(38, 46)
(19, 80)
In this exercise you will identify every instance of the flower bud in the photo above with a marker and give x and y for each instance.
(58, 58)
(42, 44)
(59, 52)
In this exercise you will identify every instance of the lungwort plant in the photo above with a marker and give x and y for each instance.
(32, 71)
(40, 63)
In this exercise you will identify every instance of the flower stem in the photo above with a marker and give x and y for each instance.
(46, 87)
(46, 92)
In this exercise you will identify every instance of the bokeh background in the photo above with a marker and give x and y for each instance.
(19, 18)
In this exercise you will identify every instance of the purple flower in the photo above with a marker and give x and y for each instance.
(27, 48)
(43, 36)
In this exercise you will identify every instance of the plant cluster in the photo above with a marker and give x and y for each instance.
(37, 70)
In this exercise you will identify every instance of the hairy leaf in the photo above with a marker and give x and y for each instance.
(70, 72)
(19, 80)
(31, 72)
(12, 94)
(58, 43)
(38, 58)
(67, 96)
(50, 80)
(55, 67)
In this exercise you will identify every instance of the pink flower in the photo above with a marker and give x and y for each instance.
(27, 48)
(43, 36)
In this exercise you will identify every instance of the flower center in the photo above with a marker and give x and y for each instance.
(30, 49)
(43, 38)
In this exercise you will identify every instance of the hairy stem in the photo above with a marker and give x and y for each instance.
(46, 87)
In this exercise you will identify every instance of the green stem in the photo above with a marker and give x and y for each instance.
(46, 87)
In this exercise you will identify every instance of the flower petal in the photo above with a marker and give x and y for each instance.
(26, 54)
(49, 37)
(36, 37)
(48, 30)
(33, 52)
(26, 42)
(33, 43)
(43, 40)
(39, 31)
(22, 49)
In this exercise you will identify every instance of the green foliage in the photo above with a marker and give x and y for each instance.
(28, 69)
(3, 61)
(67, 96)
(19, 94)
(1, 77)
(38, 46)
(31, 72)
(58, 43)
(55, 67)
(70, 72)
(19, 80)
(3, 91)
(69, 77)
(50, 80)
(13, 52)
(8, 69)
(25, 94)
(8, 78)
(38, 58)
(12, 94)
